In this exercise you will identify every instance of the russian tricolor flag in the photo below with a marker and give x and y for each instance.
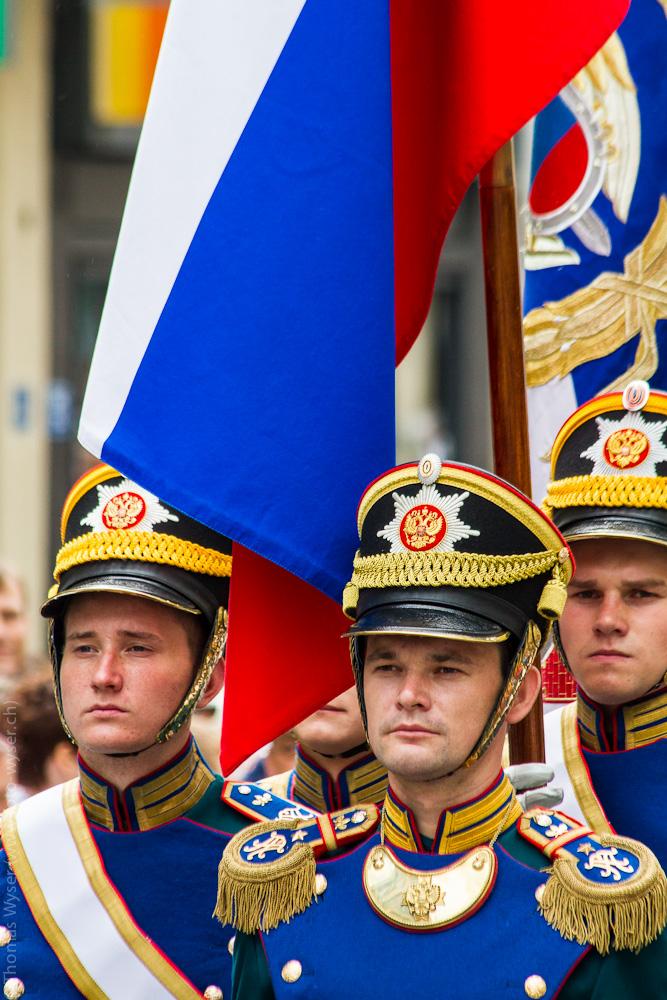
(299, 166)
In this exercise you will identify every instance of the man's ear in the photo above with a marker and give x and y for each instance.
(526, 695)
(215, 682)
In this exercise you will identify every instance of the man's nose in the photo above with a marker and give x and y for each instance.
(108, 671)
(612, 614)
(413, 692)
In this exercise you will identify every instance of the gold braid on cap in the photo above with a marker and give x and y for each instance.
(606, 491)
(142, 546)
(458, 569)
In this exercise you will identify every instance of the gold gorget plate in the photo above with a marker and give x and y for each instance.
(431, 900)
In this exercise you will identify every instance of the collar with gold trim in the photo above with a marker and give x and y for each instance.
(460, 828)
(635, 724)
(162, 796)
(363, 781)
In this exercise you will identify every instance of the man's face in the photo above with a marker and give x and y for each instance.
(13, 628)
(126, 666)
(614, 627)
(427, 701)
(335, 728)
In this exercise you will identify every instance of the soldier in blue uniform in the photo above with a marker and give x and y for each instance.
(101, 884)
(456, 581)
(334, 767)
(608, 496)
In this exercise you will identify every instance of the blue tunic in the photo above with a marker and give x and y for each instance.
(164, 868)
(370, 950)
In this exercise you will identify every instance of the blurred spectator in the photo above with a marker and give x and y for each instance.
(13, 622)
(31, 726)
(15, 662)
(280, 758)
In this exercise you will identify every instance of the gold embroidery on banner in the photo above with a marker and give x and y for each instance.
(596, 320)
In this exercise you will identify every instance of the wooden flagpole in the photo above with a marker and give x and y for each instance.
(507, 369)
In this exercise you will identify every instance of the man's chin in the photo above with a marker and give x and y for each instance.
(417, 766)
(609, 692)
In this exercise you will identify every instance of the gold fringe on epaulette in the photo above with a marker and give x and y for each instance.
(260, 896)
(625, 916)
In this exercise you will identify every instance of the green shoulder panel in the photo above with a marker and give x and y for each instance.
(211, 811)
(519, 849)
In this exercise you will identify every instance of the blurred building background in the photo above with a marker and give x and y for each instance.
(74, 82)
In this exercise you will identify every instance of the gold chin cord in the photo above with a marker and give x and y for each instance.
(214, 650)
(521, 664)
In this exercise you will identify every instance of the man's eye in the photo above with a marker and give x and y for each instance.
(643, 594)
(386, 668)
(585, 595)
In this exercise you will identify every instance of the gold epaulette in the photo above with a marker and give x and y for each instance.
(267, 873)
(603, 890)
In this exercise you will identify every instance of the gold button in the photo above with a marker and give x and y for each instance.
(291, 971)
(230, 945)
(320, 883)
(14, 989)
(213, 993)
(5, 936)
(539, 892)
(535, 987)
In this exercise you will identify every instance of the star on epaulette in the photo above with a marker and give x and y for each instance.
(603, 890)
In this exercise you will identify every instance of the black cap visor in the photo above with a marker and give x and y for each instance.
(450, 612)
(424, 620)
(152, 590)
(645, 524)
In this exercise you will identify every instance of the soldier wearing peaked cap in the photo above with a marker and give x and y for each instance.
(334, 767)
(456, 582)
(101, 879)
(608, 496)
